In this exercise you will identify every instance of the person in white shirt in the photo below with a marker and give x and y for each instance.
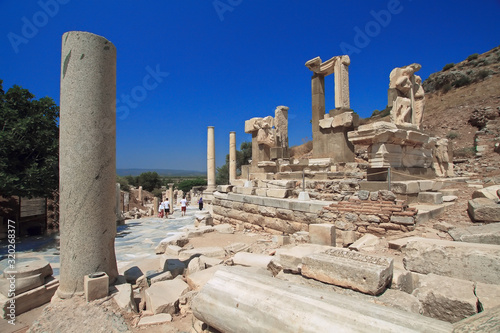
(183, 206)
(160, 210)
(166, 206)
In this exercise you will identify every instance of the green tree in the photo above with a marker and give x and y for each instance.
(187, 184)
(242, 157)
(29, 137)
(149, 180)
(132, 180)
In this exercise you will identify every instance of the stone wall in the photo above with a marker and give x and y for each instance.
(264, 213)
(377, 213)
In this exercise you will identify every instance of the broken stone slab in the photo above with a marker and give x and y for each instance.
(163, 297)
(224, 228)
(197, 280)
(210, 262)
(235, 300)
(349, 269)
(252, 259)
(485, 234)
(486, 321)
(30, 268)
(434, 198)
(195, 265)
(365, 241)
(446, 298)
(489, 192)
(291, 258)
(400, 243)
(450, 198)
(157, 319)
(399, 300)
(161, 277)
(484, 210)
(124, 297)
(322, 234)
(177, 238)
(449, 191)
(488, 295)
(21, 284)
(403, 280)
(30, 299)
(172, 264)
(192, 231)
(213, 251)
(467, 261)
(235, 248)
(278, 193)
(173, 249)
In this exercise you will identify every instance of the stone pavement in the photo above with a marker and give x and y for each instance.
(135, 240)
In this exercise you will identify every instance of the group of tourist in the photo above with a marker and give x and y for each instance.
(164, 208)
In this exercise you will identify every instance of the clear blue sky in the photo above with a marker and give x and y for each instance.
(231, 60)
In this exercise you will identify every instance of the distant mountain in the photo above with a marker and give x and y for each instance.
(161, 172)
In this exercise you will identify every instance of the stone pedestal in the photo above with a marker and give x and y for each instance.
(96, 286)
(210, 159)
(232, 157)
(87, 160)
(404, 149)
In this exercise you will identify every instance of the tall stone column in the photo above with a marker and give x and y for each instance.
(232, 157)
(210, 159)
(342, 99)
(171, 196)
(318, 105)
(87, 162)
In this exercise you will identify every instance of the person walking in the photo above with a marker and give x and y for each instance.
(183, 206)
(200, 203)
(166, 206)
(160, 210)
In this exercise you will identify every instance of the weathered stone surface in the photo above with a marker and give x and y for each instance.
(278, 193)
(403, 280)
(489, 192)
(349, 269)
(177, 238)
(400, 300)
(488, 295)
(30, 268)
(224, 228)
(163, 297)
(124, 297)
(485, 234)
(161, 277)
(251, 259)
(485, 322)
(210, 262)
(173, 249)
(267, 304)
(197, 280)
(322, 234)
(235, 248)
(156, 319)
(446, 298)
(172, 264)
(214, 252)
(95, 286)
(449, 198)
(484, 210)
(195, 265)
(31, 299)
(291, 258)
(21, 284)
(434, 198)
(365, 241)
(468, 261)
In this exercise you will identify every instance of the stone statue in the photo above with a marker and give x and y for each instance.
(443, 163)
(406, 95)
(265, 132)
